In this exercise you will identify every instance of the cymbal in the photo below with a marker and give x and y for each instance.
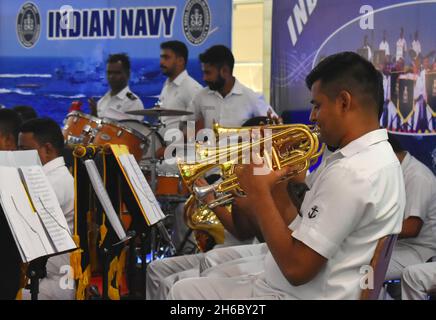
(159, 112)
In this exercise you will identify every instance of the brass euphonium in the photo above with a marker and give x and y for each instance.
(295, 145)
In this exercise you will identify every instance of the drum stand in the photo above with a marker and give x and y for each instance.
(154, 129)
(153, 168)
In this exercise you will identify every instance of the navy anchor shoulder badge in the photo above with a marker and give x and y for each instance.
(313, 213)
(28, 25)
(131, 96)
(196, 21)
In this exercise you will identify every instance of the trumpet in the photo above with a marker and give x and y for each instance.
(295, 145)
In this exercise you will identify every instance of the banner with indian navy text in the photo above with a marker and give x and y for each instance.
(53, 52)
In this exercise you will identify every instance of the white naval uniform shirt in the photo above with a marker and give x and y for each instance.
(177, 94)
(420, 202)
(239, 105)
(114, 107)
(416, 46)
(401, 49)
(384, 45)
(357, 198)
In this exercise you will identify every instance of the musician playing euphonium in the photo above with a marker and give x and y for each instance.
(356, 198)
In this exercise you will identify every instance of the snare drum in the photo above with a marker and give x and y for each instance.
(113, 132)
(80, 128)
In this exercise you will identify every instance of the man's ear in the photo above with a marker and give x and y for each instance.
(225, 71)
(344, 98)
(49, 149)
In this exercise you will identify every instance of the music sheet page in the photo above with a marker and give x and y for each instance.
(29, 234)
(104, 199)
(47, 206)
(146, 197)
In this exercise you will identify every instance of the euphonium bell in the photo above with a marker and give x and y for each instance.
(208, 229)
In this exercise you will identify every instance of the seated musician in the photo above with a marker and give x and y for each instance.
(119, 98)
(357, 198)
(238, 230)
(45, 136)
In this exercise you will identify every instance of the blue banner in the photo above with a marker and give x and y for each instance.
(52, 53)
(397, 36)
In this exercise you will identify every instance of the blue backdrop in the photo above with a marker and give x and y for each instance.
(51, 55)
(305, 31)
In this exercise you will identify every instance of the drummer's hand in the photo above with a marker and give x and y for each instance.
(92, 106)
(273, 118)
(201, 182)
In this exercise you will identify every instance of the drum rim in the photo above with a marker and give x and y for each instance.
(83, 115)
(146, 124)
(124, 127)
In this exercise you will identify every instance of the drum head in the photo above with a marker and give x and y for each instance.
(83, 115)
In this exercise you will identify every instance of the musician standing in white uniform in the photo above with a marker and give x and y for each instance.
(384, 45)
(356, 199)
(180, 88)
(119, 99)
(45, 136)
(225, 100)
(401, 47)
(177, 93)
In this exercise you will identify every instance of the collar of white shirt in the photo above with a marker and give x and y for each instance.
(122, 94)
(53, 165)
(179, 79)
(406, 161)
(359, 144)
(237, 90)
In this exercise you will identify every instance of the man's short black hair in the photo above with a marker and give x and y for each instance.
(349, 71)
(218, 56)
(10, 122)
(178, 47)
(45, 130)
(395, 143)
(123, 58)
(25, 112)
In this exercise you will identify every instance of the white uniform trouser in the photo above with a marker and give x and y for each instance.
(162, 274)
(405, 255)
(418, 280)
(233, 261)
(57, 285)
(236, 288)
(159, 270)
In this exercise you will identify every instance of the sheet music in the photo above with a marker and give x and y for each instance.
(105, 201)
(45, 202)
(142, 189)
(19, 158)
(29, 235)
